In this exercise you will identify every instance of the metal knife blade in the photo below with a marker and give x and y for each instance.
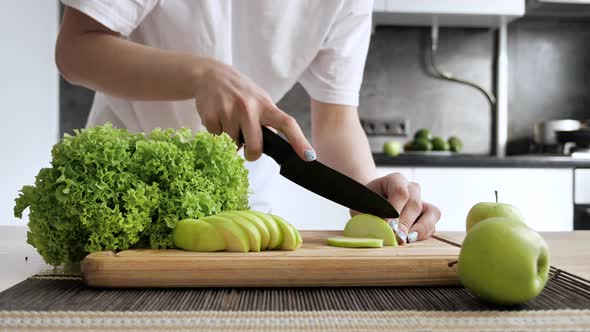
(323, 180)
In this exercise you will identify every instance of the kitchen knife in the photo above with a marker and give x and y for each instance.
(323, 180)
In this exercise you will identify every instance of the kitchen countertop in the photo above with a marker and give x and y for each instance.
(470, 160)
(570, 251)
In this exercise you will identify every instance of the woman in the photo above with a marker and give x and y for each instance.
(220, 65)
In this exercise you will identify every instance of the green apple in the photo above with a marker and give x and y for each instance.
(248, 228)
(235, 237)
(424, 134)
(197, 235)
(275, 234)
(355, 242)
(298, 236)
(439, 144)
(369, 226)
(289, 237)
(485, 210)
(455, 144)
(504, 262)
(392, 148)
(255, 221)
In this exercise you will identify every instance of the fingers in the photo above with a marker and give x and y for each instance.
(286, 124)
(425, 226)
(212, 124)
(410, 212)
(252, 135)
(396, 188)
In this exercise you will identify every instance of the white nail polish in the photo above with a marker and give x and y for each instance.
(309, 155)
(402, 236)
(393, 225)
(412, 237)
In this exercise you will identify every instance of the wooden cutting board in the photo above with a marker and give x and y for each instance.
(427, 262)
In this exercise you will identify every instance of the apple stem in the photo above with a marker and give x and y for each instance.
(496, 192)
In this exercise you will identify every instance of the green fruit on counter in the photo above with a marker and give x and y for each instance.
(485, 210)
(421, 144)
(504, 262)
(392, 148)
(423, 133)
(455, 143)
(354, 242)
(439, 144)
(197, 235)
(369, 226)
(235, 237)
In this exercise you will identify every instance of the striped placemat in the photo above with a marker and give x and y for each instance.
(337, 321)
(62, 302)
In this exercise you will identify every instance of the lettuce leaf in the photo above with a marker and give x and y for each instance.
(109, 189)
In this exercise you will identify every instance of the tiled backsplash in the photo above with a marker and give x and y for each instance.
(549, 62)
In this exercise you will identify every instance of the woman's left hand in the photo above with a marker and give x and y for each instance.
(417, 218)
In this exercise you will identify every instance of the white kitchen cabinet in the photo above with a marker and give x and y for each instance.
(544, 196)
(29, 120)
(309, 211)
(466, 13)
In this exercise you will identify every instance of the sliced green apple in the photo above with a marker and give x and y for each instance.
(369, 226)
(257, 222)
(297, 236)
(248, 227)
(289, 237)
(235, 237)
(355, 242)
(276, 236)
(197, 235)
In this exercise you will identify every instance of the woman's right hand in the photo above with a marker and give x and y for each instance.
(230, 102)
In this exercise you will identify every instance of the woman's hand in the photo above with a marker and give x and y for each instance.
(417, 218)
(230, 102)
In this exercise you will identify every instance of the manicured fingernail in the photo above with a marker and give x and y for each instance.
(402, 236)
(412, 237)
(393, 224)
(309, 155)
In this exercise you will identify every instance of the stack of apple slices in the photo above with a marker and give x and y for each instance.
(239, 231)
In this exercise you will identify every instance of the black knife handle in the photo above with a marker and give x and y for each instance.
(273, 145)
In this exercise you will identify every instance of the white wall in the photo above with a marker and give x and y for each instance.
(29, 93)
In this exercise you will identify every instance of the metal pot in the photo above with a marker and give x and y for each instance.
(544, 132)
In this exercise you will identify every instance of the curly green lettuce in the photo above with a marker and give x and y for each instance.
(109, 189)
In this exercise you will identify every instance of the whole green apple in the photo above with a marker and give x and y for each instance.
(485, 210)
(392, 148)
(504, 262)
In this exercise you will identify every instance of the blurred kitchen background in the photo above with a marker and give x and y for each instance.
(532, 56)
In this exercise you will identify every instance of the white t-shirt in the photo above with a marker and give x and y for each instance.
(320, 43)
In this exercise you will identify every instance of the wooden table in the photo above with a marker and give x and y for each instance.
(569, 251)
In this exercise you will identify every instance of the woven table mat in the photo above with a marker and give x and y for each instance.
(337, 321)
(46, 292)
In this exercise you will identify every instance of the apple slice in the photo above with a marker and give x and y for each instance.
(197, 235)
(366, 225)
(355, 242)
(289, 237)
(235, 237)
(276, 236)
(298, 236)
(257, 222)
(248, 227)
